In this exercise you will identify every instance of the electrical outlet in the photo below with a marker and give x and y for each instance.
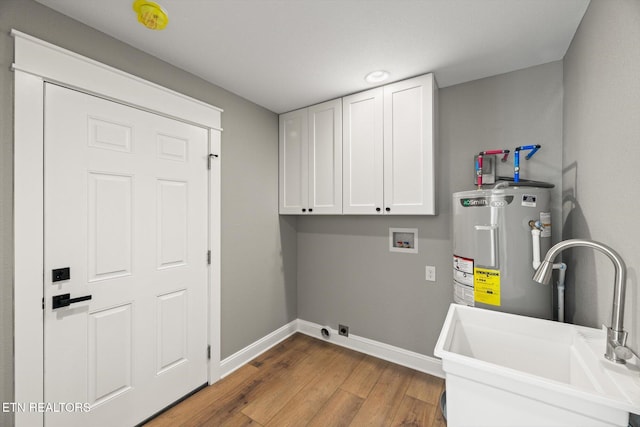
(343, 330)
(430, 273)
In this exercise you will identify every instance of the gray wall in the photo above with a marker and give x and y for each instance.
(601, 158)
(258, 286)
(346, 273)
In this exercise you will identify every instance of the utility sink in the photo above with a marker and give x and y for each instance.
(508, 370)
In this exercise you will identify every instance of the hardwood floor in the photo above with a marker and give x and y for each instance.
(305, 381)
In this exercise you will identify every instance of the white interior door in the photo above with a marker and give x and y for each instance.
(126, 211)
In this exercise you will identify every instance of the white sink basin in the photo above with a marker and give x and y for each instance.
(507, 370)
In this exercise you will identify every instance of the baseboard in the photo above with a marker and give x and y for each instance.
(244, 356)
(400, 356)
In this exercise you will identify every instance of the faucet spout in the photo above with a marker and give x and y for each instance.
(616, 336)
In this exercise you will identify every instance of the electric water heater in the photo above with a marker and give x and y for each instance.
(492, 249)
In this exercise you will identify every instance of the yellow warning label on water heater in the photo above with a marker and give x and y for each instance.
(486, 286)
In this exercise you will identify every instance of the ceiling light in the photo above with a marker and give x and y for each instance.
(151, 14)
(377, 76)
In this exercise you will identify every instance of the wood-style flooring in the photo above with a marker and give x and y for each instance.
(305, 381)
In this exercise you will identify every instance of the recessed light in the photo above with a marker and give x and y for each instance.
(377, 76)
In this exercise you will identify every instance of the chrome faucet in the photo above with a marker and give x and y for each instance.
(616, 336)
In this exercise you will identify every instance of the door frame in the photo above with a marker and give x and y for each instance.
(37, 62)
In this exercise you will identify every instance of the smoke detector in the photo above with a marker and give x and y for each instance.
(151, 14)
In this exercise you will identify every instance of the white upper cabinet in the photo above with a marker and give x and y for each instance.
(363, 163)
(409, 149)
(389, 149)
(294, 167)
(311, 160)
(325, 158)
(371, 153)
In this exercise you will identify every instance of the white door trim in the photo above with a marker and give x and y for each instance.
(37, 62)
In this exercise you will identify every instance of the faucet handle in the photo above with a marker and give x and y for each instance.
(620, 348)
(617, 346)
(624, 352)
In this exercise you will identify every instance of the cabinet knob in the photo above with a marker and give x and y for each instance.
(377, 209)
(310, 210)
(304, 210)
(388, 209)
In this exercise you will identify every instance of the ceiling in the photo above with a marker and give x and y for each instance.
(287, 54)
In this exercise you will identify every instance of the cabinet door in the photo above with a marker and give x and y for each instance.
(325, 158)
(363, 153)
(293, 165)
(409, 186)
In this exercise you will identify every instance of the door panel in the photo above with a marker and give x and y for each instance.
(406, 168)
(172, 223)
(363, 153)
(325, 157)
(108, 135)
(110, 226)
(110, 354)
(293, 162)
(409, 186)
(172, 330)
(126, 209)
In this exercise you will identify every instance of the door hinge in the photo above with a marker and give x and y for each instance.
(211, 156)
(208, 257)
(208, 352)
